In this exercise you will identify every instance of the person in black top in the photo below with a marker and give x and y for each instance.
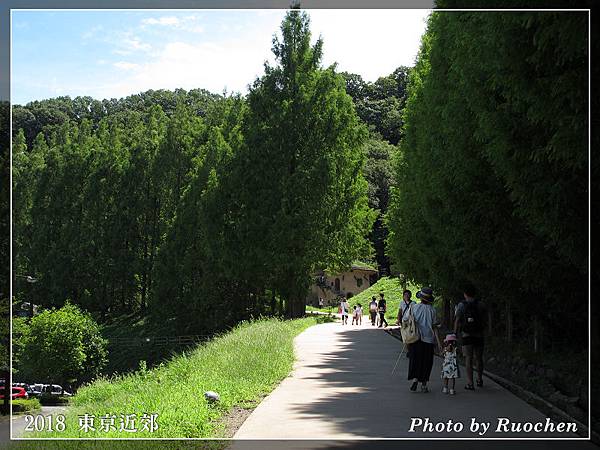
(382, 309)
(471, 321)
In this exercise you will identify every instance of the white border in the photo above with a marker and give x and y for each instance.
(588, 10)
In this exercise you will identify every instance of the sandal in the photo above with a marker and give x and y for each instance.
(424, 389)
(413, 387)
(479, 383)
(469, 387)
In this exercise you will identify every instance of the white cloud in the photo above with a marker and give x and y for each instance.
(161, 21)
(124, 65)
(206, 65)
(186, 23)
(369, 42)
(136, 44)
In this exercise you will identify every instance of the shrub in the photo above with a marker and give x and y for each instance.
(63, 346)
(24, 406)
(51, 399)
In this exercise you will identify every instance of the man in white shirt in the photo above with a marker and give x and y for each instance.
(373, 310)
(344, 307)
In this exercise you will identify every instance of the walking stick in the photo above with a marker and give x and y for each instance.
(398, 360)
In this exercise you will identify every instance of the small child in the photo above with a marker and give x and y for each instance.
(358, 313)
(450, 365)
(355, 315)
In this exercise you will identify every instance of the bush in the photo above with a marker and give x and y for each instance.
(51, 399)
(24, 406)
(63, 346)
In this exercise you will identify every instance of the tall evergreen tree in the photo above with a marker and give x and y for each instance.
(305, 203)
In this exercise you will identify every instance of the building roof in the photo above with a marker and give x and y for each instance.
(365, 267)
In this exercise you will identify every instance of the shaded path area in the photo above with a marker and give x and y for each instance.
(342, 388)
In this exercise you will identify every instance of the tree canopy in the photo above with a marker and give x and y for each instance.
(492, 172)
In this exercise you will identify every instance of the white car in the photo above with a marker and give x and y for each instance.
(55, 389)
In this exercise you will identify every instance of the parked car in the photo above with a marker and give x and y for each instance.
(35, 390)
(55, 389)
(17, 392)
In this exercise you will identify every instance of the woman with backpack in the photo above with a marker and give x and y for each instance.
(402, 311)
(420, 353)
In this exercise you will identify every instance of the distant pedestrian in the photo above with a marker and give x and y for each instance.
(382, 307)
(344, 308)
(421, 352)
(355, 315)
(470, 321)
(450, 370)
(373, 310)
(321, 302)
(358, 312)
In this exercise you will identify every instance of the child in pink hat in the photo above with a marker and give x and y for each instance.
(450, 370)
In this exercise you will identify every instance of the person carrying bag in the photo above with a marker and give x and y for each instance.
(408, 327)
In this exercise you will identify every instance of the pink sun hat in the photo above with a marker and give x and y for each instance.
(450, 337)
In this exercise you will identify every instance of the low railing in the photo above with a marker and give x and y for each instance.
(157, 340)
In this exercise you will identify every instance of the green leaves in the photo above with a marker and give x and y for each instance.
(61, 346)
(304, 199)
(491, 173)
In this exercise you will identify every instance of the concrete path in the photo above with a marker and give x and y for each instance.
(18, 420)
(342, 388)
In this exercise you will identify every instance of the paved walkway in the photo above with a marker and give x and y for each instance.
(342, 387)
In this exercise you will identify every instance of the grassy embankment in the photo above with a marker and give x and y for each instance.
(242, 366)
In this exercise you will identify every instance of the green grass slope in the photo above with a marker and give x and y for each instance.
(242, 366)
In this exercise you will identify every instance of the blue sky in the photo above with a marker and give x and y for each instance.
(111, 54)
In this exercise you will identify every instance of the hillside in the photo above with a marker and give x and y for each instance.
(242, 366)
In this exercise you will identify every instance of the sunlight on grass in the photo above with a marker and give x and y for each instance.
(241, 366)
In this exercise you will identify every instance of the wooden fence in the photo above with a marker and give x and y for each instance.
(157, 340)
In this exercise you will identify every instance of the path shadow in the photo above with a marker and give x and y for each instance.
(370, 401)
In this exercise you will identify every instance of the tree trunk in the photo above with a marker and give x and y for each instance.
(447, 320)
(509, 322)
(295, 308)
(536, 334)
(273, 304)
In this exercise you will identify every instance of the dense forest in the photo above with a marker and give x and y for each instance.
(200, 210)
(495, 161)
(182, 205)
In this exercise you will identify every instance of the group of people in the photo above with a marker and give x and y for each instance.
(377, 310)
(344, 309)
(469, 325)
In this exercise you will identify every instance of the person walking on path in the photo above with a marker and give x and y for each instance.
(373, 310)
(382, 309)
(404, 305)
(470, 321)
(357, 315)
(450, 370)
(421, 352)
(344, 307)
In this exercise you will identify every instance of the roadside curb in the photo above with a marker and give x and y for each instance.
(533, 399)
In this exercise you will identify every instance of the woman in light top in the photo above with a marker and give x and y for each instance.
(421, 352)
